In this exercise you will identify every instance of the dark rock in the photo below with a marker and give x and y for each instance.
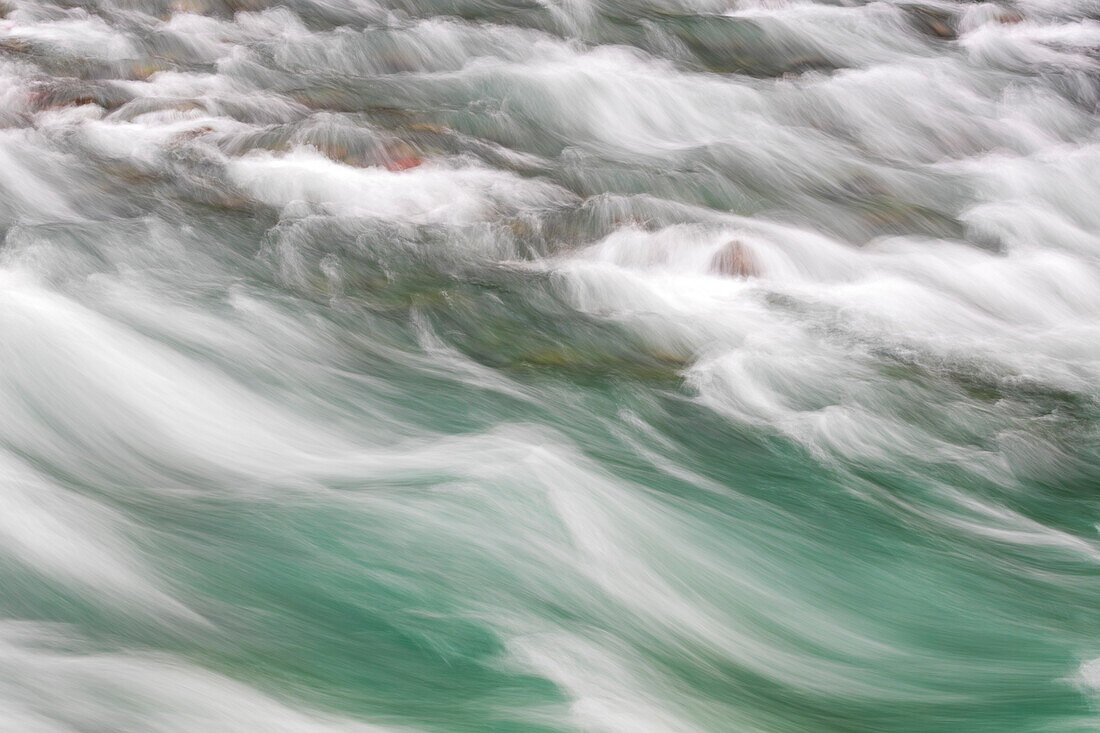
(742, 46)
(933, 22)
(76, 93)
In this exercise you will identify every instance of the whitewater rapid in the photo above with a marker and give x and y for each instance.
(603, 365)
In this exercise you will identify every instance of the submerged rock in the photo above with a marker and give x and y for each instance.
(217, 7)
(933, 22)
(396, 158)
(76, 93)
(146, 105)
(401, 157)
(734, 260)
(743, 46)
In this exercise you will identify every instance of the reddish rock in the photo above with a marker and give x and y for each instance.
(734, 260)
(403, 163)
(401, 157)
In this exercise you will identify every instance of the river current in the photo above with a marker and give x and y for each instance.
(549, 365)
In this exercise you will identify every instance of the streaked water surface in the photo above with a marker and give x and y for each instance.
(549, 365)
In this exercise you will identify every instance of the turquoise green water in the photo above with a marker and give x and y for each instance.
(549, 367)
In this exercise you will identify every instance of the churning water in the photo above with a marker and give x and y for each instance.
(549, 365)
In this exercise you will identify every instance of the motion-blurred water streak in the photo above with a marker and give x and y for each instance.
(603, 365)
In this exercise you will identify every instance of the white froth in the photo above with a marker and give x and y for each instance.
(427, 193)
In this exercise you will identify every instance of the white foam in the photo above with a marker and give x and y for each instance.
(81, 35)
(127, 399)
(1031, 312)
(45, 685)
(77, 542)
(429, 193)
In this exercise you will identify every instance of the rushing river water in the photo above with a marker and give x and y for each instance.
(549, 365)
